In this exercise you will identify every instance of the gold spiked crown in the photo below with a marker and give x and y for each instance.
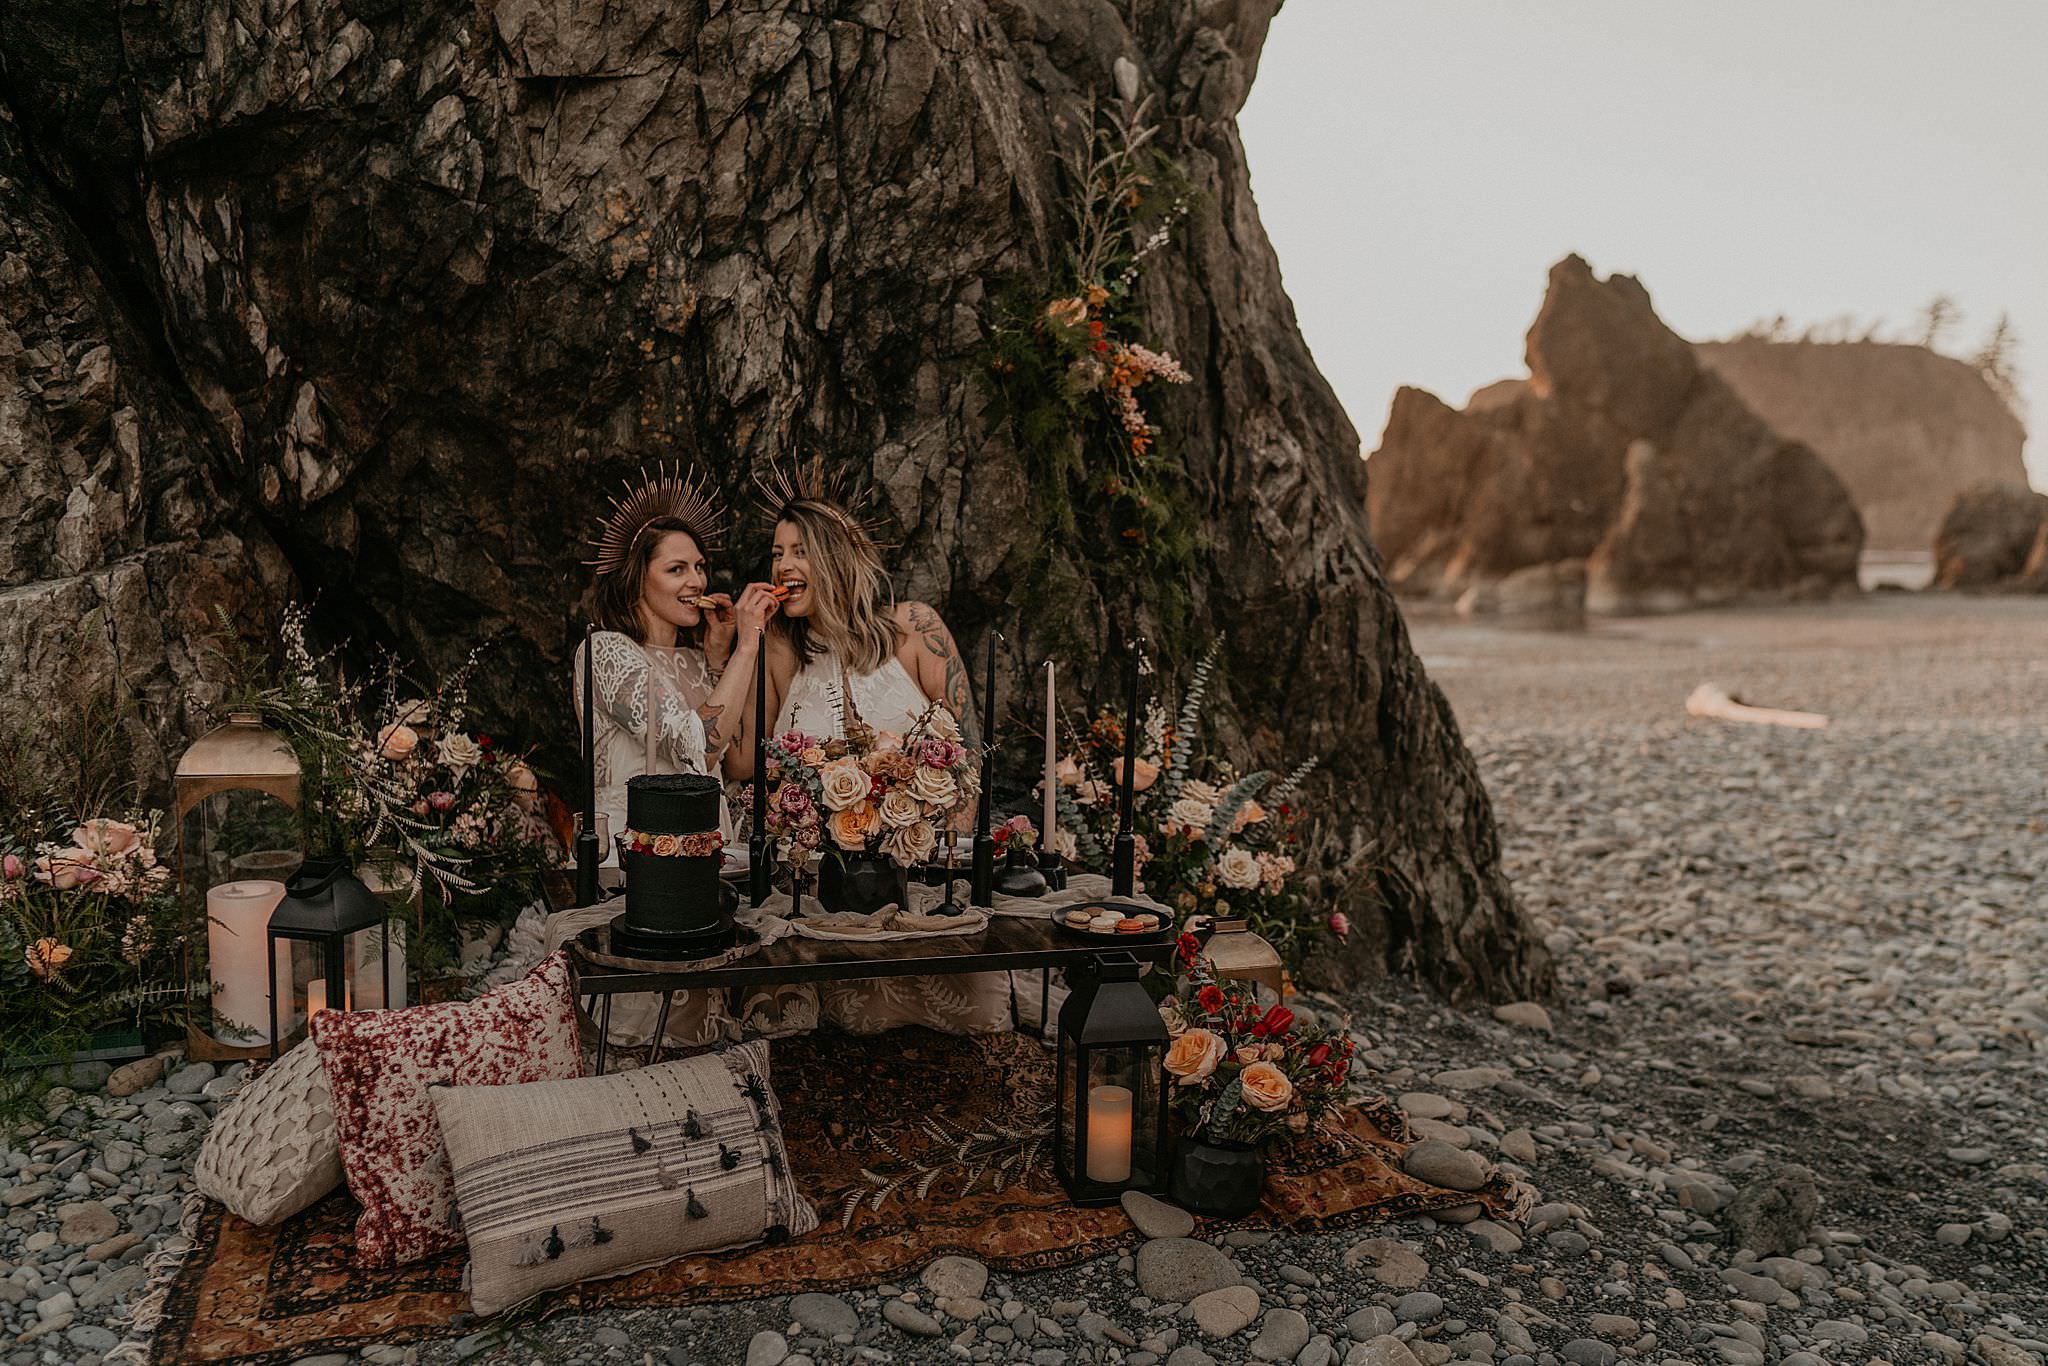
(809, 481)
(687, 497)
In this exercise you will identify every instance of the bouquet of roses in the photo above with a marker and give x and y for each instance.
(872, 792)
(1241, 1072)
(1015, 833)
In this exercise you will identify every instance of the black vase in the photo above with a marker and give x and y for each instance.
(862, 883)
(1222, 1180)
(1019, 876)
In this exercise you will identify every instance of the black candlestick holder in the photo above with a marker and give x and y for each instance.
(1052, 870)
(950, 906)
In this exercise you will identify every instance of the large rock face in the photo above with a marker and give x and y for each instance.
(1905, 428)
(1994, 536)
(1621, 451)
(421, 282)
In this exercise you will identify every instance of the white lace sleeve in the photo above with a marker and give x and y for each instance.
(621, 673)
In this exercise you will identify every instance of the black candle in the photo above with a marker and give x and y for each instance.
(757, 842)
(1124, 853)
(588, 855)
(982, 885)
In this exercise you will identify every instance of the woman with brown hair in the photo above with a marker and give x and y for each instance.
(672, 664)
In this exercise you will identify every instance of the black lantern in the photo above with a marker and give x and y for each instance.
(1109, 1128)
(327, 908)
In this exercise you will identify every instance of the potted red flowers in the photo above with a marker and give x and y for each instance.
(1241, 1076)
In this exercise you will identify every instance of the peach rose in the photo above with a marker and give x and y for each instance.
(934, 787)
(1251, 813)
(899, 809)
(1246, 1054)
(106, 837)
(1238, 868)
(842, 784)
(524, 784)
(814, 755)
(45, 956)
(851, 826)
(913, 844)
(1067, 773)
(1266, 1087)
(1194, 1056)
(397, 741)
(1143, 775)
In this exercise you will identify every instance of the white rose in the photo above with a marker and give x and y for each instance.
(1065, 845)
(843, 783)
(1200, 791)
(940, 725)
(1089, 791)
(913, 844)
(934, 787)
(1191, 813)
(457, 751)
(1238, 868)
(900, 809)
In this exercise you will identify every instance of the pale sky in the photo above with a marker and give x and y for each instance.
(1420, 164)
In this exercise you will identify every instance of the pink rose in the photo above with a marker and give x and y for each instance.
(10, 867)
(795, 742)
(441, 801)
(66, 869)
(793, 800)
(1340, 924)
(106, 837)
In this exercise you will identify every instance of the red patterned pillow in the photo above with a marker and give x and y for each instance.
(379, 1063)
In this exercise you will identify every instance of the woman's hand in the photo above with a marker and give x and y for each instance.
(756, 605)
(719, 629)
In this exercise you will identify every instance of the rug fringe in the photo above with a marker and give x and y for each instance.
(160, 1269)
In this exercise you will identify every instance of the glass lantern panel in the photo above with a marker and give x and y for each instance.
(237, 836)
(1122, 1109)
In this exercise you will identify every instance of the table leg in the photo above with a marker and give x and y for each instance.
(604, 1030)
(660, 1028)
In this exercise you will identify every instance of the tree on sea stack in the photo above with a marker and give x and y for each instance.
(418, 281)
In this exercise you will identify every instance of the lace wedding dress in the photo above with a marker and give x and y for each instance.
(887, 699)
(645, 721)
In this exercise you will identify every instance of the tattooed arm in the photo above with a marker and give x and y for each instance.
(927, 649)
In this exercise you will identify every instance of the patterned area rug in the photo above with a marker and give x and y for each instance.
(888, 1194)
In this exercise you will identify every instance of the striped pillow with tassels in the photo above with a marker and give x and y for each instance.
(564, 1181)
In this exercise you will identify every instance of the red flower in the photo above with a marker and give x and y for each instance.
(1278, 1020)
(1210, 998)
(483, 742)
(1319, 1055)
(1095, 327)
(1190, 948)
(1101, 346)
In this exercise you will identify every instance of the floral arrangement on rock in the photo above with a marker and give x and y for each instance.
(1222, 843)
(873, 792)
(91, 932)
(1074, 376)
(1243, 1072)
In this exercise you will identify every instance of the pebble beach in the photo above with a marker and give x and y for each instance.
(1791, 1105)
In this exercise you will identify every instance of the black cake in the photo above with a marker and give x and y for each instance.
(676, 905)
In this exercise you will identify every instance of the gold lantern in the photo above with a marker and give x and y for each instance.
(236, 796)
(1236, 952)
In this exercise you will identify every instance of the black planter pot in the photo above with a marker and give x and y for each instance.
(1019, 876)
(862, 883)
(1222, 1180)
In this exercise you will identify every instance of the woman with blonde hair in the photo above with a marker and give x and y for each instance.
(841, 648)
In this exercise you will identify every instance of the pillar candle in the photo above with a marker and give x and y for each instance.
(1052, 782)
(1109, 1133)
(238, 914)
(316, 998)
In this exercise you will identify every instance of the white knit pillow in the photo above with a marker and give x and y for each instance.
(273, 1149)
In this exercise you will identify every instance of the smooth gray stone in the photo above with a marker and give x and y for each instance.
(1178, 1269)
(911, 1319)
(826, 1315)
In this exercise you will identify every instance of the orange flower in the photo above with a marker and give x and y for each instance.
(1067, 312)
(851, 827)
(1097, 296)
